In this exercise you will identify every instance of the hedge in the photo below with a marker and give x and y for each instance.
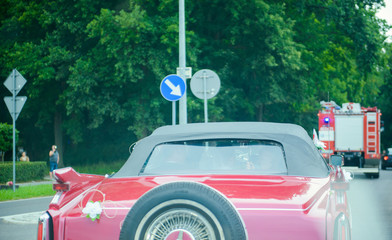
(24, 171)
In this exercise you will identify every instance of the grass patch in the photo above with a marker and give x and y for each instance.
(24, 192)
(100, 168)
(43, 190)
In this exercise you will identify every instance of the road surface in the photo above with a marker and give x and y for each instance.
(371, 207)
(18, 219)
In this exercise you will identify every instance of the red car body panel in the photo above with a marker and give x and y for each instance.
(267, 204)
(299, 196)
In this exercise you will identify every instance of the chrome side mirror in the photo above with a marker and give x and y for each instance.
(130, 149)
(336, 160)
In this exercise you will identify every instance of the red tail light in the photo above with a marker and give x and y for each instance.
(40, 231)
(61, 187)
(386, 158)
(44, 225)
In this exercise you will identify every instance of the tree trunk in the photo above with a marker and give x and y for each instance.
(58, 136)
(260, 112)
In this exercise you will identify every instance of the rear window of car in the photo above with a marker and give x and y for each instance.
(217, 156)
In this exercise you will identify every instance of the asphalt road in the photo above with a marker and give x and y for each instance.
(370, 201)
(371, 207)
(18, 219)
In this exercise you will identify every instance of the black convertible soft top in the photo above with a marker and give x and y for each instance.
(302, 157)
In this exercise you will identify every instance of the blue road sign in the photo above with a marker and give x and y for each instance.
(172, 87)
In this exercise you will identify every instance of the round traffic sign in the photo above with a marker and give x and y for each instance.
(172, 87)
(205, 84)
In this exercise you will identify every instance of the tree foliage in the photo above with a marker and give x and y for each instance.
(6, 138)
(385, 98)
(94, 67)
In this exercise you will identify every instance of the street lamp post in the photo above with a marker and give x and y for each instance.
(182, 61)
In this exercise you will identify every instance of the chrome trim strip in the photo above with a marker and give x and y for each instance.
(271, 209)
(279, 209)
(116, 208)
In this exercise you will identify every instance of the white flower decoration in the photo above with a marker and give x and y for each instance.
(348, 175)
(93, 210)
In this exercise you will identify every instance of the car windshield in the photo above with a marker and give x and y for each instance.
(218, 156)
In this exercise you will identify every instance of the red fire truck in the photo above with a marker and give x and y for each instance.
(354, 132)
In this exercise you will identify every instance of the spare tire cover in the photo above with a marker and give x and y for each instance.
(183, 210)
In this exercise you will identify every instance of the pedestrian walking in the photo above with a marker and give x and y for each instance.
(54, 159)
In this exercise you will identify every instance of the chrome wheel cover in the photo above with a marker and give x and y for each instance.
(184, 222)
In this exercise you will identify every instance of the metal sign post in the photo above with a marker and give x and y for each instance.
(182, 60)
(14, 83)
(13, 128)
(205, 97)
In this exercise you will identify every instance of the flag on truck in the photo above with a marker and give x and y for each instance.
(319, 144)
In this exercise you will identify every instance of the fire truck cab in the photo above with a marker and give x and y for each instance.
(354, 132)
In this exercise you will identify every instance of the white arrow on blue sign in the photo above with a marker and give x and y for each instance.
(172, 87)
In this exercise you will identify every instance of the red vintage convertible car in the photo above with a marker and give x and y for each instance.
(232, 181)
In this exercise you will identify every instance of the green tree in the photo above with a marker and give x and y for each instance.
(343, 42)
(385, 98)
(44, 39)
(94, 67)
(6, 141)
(253, 51)
(111, 82)
(250, 45)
